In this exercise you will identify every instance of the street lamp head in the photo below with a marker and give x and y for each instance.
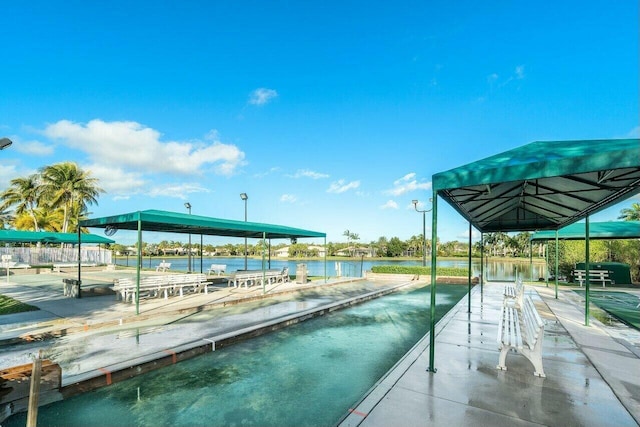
(415, 205)
(244, 196)
(4, 143)
(187, 205)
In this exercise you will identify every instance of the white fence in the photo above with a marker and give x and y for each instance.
(45, 256)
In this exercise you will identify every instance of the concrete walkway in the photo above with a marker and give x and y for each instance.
(592, 373)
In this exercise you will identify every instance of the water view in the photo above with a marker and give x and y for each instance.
(309, 374)
(494, 270)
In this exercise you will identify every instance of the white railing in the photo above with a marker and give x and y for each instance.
(45, 256)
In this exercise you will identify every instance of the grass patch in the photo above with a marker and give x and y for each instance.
(411, 269)
(10, 306)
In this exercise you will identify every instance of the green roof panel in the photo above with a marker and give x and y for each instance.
(23, 236)
(611, 230)
(173, 222)
(543, 185)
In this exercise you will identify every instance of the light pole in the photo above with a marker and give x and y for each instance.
(4, 143)
(424, 231)
(188, 206)
(244, 197)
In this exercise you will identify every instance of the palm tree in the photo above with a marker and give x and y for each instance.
(68, 187)
(415, 244)
(5, 218)
(631, 214)
(25, 194)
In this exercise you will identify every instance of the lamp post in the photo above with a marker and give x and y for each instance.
(4, 143)
(188, 206)
(424, 231)
(244, 197)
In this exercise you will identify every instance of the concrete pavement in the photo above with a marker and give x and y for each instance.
(592, 372)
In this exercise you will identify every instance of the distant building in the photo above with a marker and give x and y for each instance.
(284, 252)
(357, 252)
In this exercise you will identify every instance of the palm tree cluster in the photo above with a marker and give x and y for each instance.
(53, 199)
(631, 214)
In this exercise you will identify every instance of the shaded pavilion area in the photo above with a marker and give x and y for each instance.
(610, 230)
(180, 223)
(544, 185)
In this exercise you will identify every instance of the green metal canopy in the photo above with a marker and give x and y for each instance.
(542, 185)
(612, 230)
(22, 236)
(173, 222)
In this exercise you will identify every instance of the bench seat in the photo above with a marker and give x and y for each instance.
(217, 268)
(521, 330)
(156, 286)
(254, 277)
(601, 276)
(513, 294)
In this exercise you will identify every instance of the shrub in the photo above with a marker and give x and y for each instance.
(418, 269)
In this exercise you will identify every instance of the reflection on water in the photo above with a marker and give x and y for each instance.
(494, 270)
(305, 375)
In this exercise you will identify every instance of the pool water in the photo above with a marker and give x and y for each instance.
(308, 374)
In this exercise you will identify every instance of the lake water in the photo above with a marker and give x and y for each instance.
(494, 270)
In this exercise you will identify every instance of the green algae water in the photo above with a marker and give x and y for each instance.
(308, 374)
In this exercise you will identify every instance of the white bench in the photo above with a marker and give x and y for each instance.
(156, 286)
(513, 294)
(594, 276)
(217, 268)
(163, 266)
(522, 331)
(183, 283)
(57, 267)
(254, 277)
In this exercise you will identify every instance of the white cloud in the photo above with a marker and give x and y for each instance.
(407, 184)
(340, 186)
(289, 198)
(179, 191)
(33, 148)
(7, 173)
(389, 205)
(518, 74)
(132, 145)
(268, 172)
(634, 133)
(262, 96)
(116, 182)
(306, 173)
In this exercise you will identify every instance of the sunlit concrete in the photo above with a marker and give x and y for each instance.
(591, 370)
(591, 378)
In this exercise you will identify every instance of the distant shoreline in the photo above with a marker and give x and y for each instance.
(340, 258)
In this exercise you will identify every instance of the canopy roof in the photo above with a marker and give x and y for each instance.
(173, 222)
(597, 230)
(22, 236)
(544, 185)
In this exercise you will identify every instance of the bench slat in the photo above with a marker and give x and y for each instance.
(521, 329)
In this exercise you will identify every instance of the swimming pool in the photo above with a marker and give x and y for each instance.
(305, 375)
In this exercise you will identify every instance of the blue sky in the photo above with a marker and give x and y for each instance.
(330, 115)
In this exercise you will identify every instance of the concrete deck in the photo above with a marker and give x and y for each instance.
(592, 372)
